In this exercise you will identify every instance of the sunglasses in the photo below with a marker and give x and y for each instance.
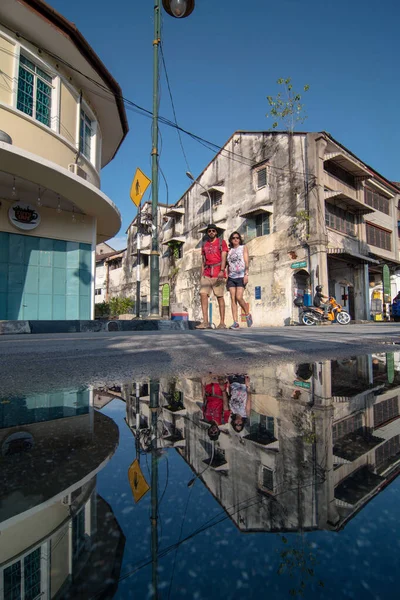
(211, 230)
(235, 237)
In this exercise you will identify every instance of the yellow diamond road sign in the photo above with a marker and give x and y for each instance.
(137, 481)
(139, 185)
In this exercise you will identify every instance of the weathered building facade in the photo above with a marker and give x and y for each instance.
(109, 273)
(310, 213)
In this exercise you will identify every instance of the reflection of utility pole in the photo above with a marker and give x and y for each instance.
(138, 244)
(137, 411)
(154, 399)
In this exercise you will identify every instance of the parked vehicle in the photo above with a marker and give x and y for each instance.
(395, 309)
(310, 315)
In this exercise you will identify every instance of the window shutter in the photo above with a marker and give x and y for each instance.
(262, 177)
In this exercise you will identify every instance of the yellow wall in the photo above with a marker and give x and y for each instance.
(59, 559)
(68, 115)
(7, 51)
(59, 145)
(28, 134)
(31, 530)
(53, 225)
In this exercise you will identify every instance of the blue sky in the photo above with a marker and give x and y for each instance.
(225, 59)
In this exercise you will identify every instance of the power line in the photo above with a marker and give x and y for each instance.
(173, 107)
(145, 112)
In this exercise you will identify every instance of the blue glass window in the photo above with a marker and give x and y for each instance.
(85, 135)
(34, 91)
(32, 575)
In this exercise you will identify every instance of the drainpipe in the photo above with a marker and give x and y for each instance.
(79, 125)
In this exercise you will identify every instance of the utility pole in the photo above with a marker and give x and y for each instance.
(154, 256)
(154, 401)
(179, 9)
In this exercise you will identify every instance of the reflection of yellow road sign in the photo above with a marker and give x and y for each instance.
(137, 481)
(139, 185)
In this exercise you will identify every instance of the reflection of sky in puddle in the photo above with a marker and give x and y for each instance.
(281, 478)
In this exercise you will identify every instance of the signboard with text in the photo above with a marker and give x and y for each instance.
(300, 264)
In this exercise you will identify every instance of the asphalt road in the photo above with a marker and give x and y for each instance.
(38, 363)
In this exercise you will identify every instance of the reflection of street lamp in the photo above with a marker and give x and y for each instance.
(188, 173)
(178, 9)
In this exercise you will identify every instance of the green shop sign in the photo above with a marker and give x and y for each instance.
(165, 295)
(303, 384)
(299, 264)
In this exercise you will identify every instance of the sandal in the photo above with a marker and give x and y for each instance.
(221, 326)
(203, 326)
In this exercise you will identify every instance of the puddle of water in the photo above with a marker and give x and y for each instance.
(282, 478)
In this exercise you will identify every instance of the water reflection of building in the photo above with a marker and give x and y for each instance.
(59, 538)
(322, 439)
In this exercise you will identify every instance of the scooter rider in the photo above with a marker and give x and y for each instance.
(319, 299)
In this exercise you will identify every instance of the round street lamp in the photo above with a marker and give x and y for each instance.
(178, 8)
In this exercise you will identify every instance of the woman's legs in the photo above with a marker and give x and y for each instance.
(234, 308)
(240, 300)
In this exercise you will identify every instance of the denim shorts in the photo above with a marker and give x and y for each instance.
(236, 282)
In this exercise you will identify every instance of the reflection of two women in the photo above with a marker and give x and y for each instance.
(226, 398)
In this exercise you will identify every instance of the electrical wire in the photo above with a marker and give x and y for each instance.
(131, 105)
(173, 106)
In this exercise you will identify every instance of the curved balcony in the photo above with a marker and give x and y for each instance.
(73, 188)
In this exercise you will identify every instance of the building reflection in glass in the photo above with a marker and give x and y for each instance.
(319, 440)
(59, 538)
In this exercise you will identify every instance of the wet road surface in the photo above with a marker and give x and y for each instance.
(279, 476)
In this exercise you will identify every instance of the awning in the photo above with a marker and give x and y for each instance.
(346, 254)
(376, 185)
(214, 188)
(257, 210)
(344, 201)
(175, 211)
(176, 238)
(349, 164)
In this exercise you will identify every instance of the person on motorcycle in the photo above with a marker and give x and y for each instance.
(319, 299)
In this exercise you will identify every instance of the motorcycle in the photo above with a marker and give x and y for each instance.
(311, 315)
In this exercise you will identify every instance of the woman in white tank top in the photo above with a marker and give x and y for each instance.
(238, 277)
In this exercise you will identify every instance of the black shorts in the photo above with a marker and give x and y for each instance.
(236, 282)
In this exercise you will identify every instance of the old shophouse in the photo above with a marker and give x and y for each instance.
(310, 211)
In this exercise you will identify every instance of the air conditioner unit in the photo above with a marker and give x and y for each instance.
(77, 170)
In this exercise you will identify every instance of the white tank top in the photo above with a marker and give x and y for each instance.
(236, 263)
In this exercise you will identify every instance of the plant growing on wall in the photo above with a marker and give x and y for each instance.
(120, 306)
(102, 309)
(175, 248)
(286, 106)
